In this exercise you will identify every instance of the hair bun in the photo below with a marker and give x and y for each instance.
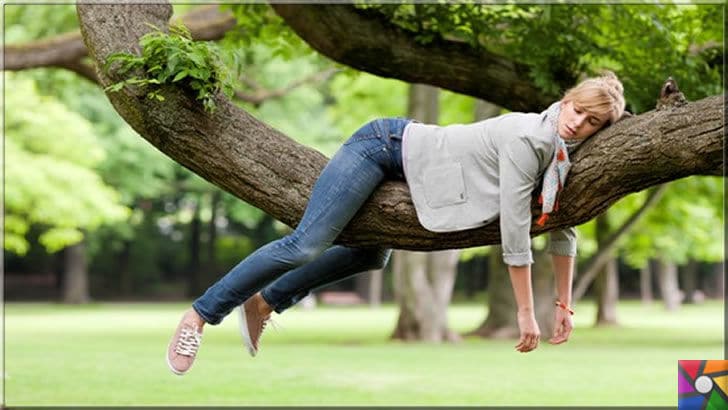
(612, 81)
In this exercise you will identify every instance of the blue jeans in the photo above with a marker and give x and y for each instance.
(286, 270)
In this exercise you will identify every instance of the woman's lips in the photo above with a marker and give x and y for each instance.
(570, 130)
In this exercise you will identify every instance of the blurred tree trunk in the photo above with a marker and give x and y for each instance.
(423, 286)
(606, 288)
(646, 283)
(210, 273)
(75, 284)
(501, 320)
(375, 287)
(689, 274)
(423, 282)
(369, 286)
(123, 259)
(669, 290)
(717, 282)
(607, 282)
(194, 284)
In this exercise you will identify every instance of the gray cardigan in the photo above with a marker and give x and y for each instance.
(465, 176)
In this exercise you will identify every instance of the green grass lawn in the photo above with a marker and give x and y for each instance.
(113, 354)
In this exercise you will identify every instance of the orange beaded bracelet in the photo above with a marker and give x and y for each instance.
(562, 305)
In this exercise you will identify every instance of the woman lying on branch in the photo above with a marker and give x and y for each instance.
(460, 177)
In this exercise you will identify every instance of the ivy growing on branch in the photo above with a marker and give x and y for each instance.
(174, 58)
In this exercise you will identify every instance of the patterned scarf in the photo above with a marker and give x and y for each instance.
(555, 175)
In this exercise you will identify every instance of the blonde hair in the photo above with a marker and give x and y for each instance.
(599, 95)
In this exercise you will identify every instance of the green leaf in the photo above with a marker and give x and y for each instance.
(180, 75)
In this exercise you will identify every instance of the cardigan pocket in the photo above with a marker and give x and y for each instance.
(444, 185)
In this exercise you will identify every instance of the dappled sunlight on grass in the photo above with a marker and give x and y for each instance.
(113, 354)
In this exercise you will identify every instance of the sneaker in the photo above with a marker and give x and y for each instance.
(252, 325)
(184, 345)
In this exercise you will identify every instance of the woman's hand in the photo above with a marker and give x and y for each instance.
(562, 326)
(530, 332)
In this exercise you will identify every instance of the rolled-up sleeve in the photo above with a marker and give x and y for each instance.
(563, 242)
(518, 168)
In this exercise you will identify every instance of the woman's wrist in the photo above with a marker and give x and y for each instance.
(565, 306)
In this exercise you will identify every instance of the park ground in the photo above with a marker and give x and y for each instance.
(113, 354)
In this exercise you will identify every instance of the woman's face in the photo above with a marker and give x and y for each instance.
(576, 123)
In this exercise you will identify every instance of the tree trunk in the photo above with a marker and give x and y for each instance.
(426, 280)
(369, 286)
(607, 282)
(719, 280)
(224, 148)
(544, 292)
(75, 285)
(423, 284)
(194, 287)
(689, 274)
(646, 284)
(501, 321)
(376, 282)
(667, 276)
(126, 281)
(211, 268)
(607, 292)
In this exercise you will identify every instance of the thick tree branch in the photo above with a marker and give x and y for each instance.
(265, 168)
(371, 44)
(68, 50)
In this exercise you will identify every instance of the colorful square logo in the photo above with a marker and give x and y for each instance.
(702, 384)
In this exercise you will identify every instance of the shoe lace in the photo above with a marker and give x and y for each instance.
(269, 320)
(188, 342)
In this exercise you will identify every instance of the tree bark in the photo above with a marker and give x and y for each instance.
(211, 257)
(194, 280)
(368, 285)
(646, 283)
(607, 293)
(126, 280)
(607, 281)
(500, 321)
(368, 42)
(689, 274)
(669, 290)
(716, 287)
(263, 167)
(376, 282)
(423, 285)
(75, 285)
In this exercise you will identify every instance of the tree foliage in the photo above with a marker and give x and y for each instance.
(560, 43)
(51, 154)
(168, 58)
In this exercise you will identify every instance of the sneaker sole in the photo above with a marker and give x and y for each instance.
(244, 331)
